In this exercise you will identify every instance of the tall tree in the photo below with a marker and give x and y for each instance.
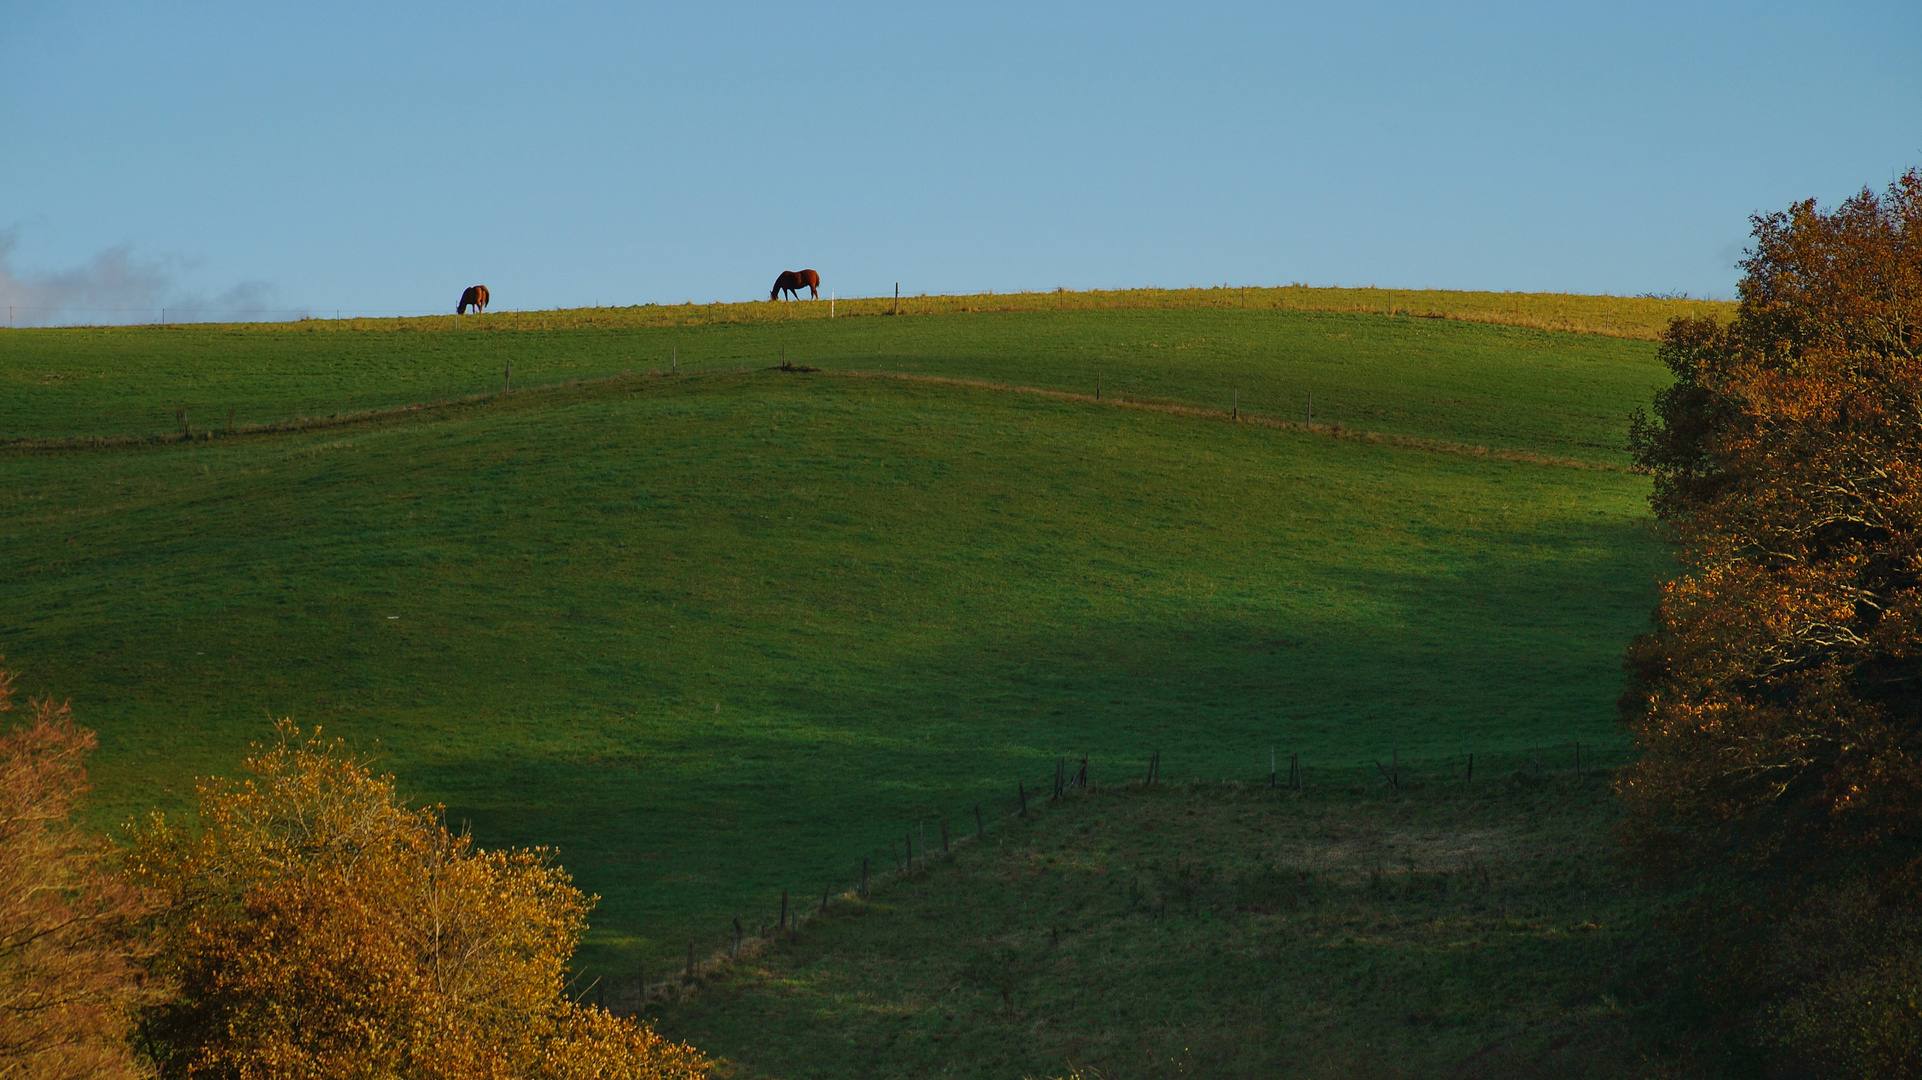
(316, 928)
(1778, 698)
(69, 970)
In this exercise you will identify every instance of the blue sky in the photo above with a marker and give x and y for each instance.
(376, 157)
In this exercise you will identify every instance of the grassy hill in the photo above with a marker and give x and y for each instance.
(724, 633)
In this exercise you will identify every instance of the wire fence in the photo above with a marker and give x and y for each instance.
(916, 847)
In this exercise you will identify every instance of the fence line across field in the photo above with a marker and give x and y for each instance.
(1451, 774)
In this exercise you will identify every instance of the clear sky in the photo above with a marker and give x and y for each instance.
(376, 157)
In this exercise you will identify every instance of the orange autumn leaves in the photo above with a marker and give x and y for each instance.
(68, 954)
(314, 927)
(307, 926)
(1779, 696)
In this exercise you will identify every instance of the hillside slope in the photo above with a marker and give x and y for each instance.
(717, 635)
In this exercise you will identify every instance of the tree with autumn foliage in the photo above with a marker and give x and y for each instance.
(1777, 700)
(316, 928)
(69, 962)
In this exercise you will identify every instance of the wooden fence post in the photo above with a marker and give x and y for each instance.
(944, 837)
(737, 937)
(1386, 775)
(783, 911)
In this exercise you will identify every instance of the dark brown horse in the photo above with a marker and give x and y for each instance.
(474, 295)
(790, 282)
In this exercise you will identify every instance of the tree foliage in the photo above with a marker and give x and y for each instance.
(317, 928)
(1778, 698)
(69, 970)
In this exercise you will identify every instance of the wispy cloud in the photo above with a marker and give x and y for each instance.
(118, 288)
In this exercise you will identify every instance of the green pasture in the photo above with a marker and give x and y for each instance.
(1500, 386)
(1229, 931)
(717, 635)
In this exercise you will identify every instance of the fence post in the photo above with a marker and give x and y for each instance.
(980, 832)
(1023, 792)
(864, 875)
(944, 837)
(1271, 766)
(737, 937)
(783, 911)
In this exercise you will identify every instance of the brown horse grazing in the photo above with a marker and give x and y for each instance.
(474, 295)
(791, 281)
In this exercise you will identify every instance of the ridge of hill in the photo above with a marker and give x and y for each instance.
(1531, 391)
(1641, 317)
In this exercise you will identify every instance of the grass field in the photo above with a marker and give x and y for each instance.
(1549, 393)
(724, 633)
(1226, 931)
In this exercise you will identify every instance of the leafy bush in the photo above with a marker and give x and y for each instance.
(314, 927)
(1856, 965)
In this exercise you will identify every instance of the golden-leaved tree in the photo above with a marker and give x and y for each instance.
(316, 928)
(1778, 698)
(69, 970)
